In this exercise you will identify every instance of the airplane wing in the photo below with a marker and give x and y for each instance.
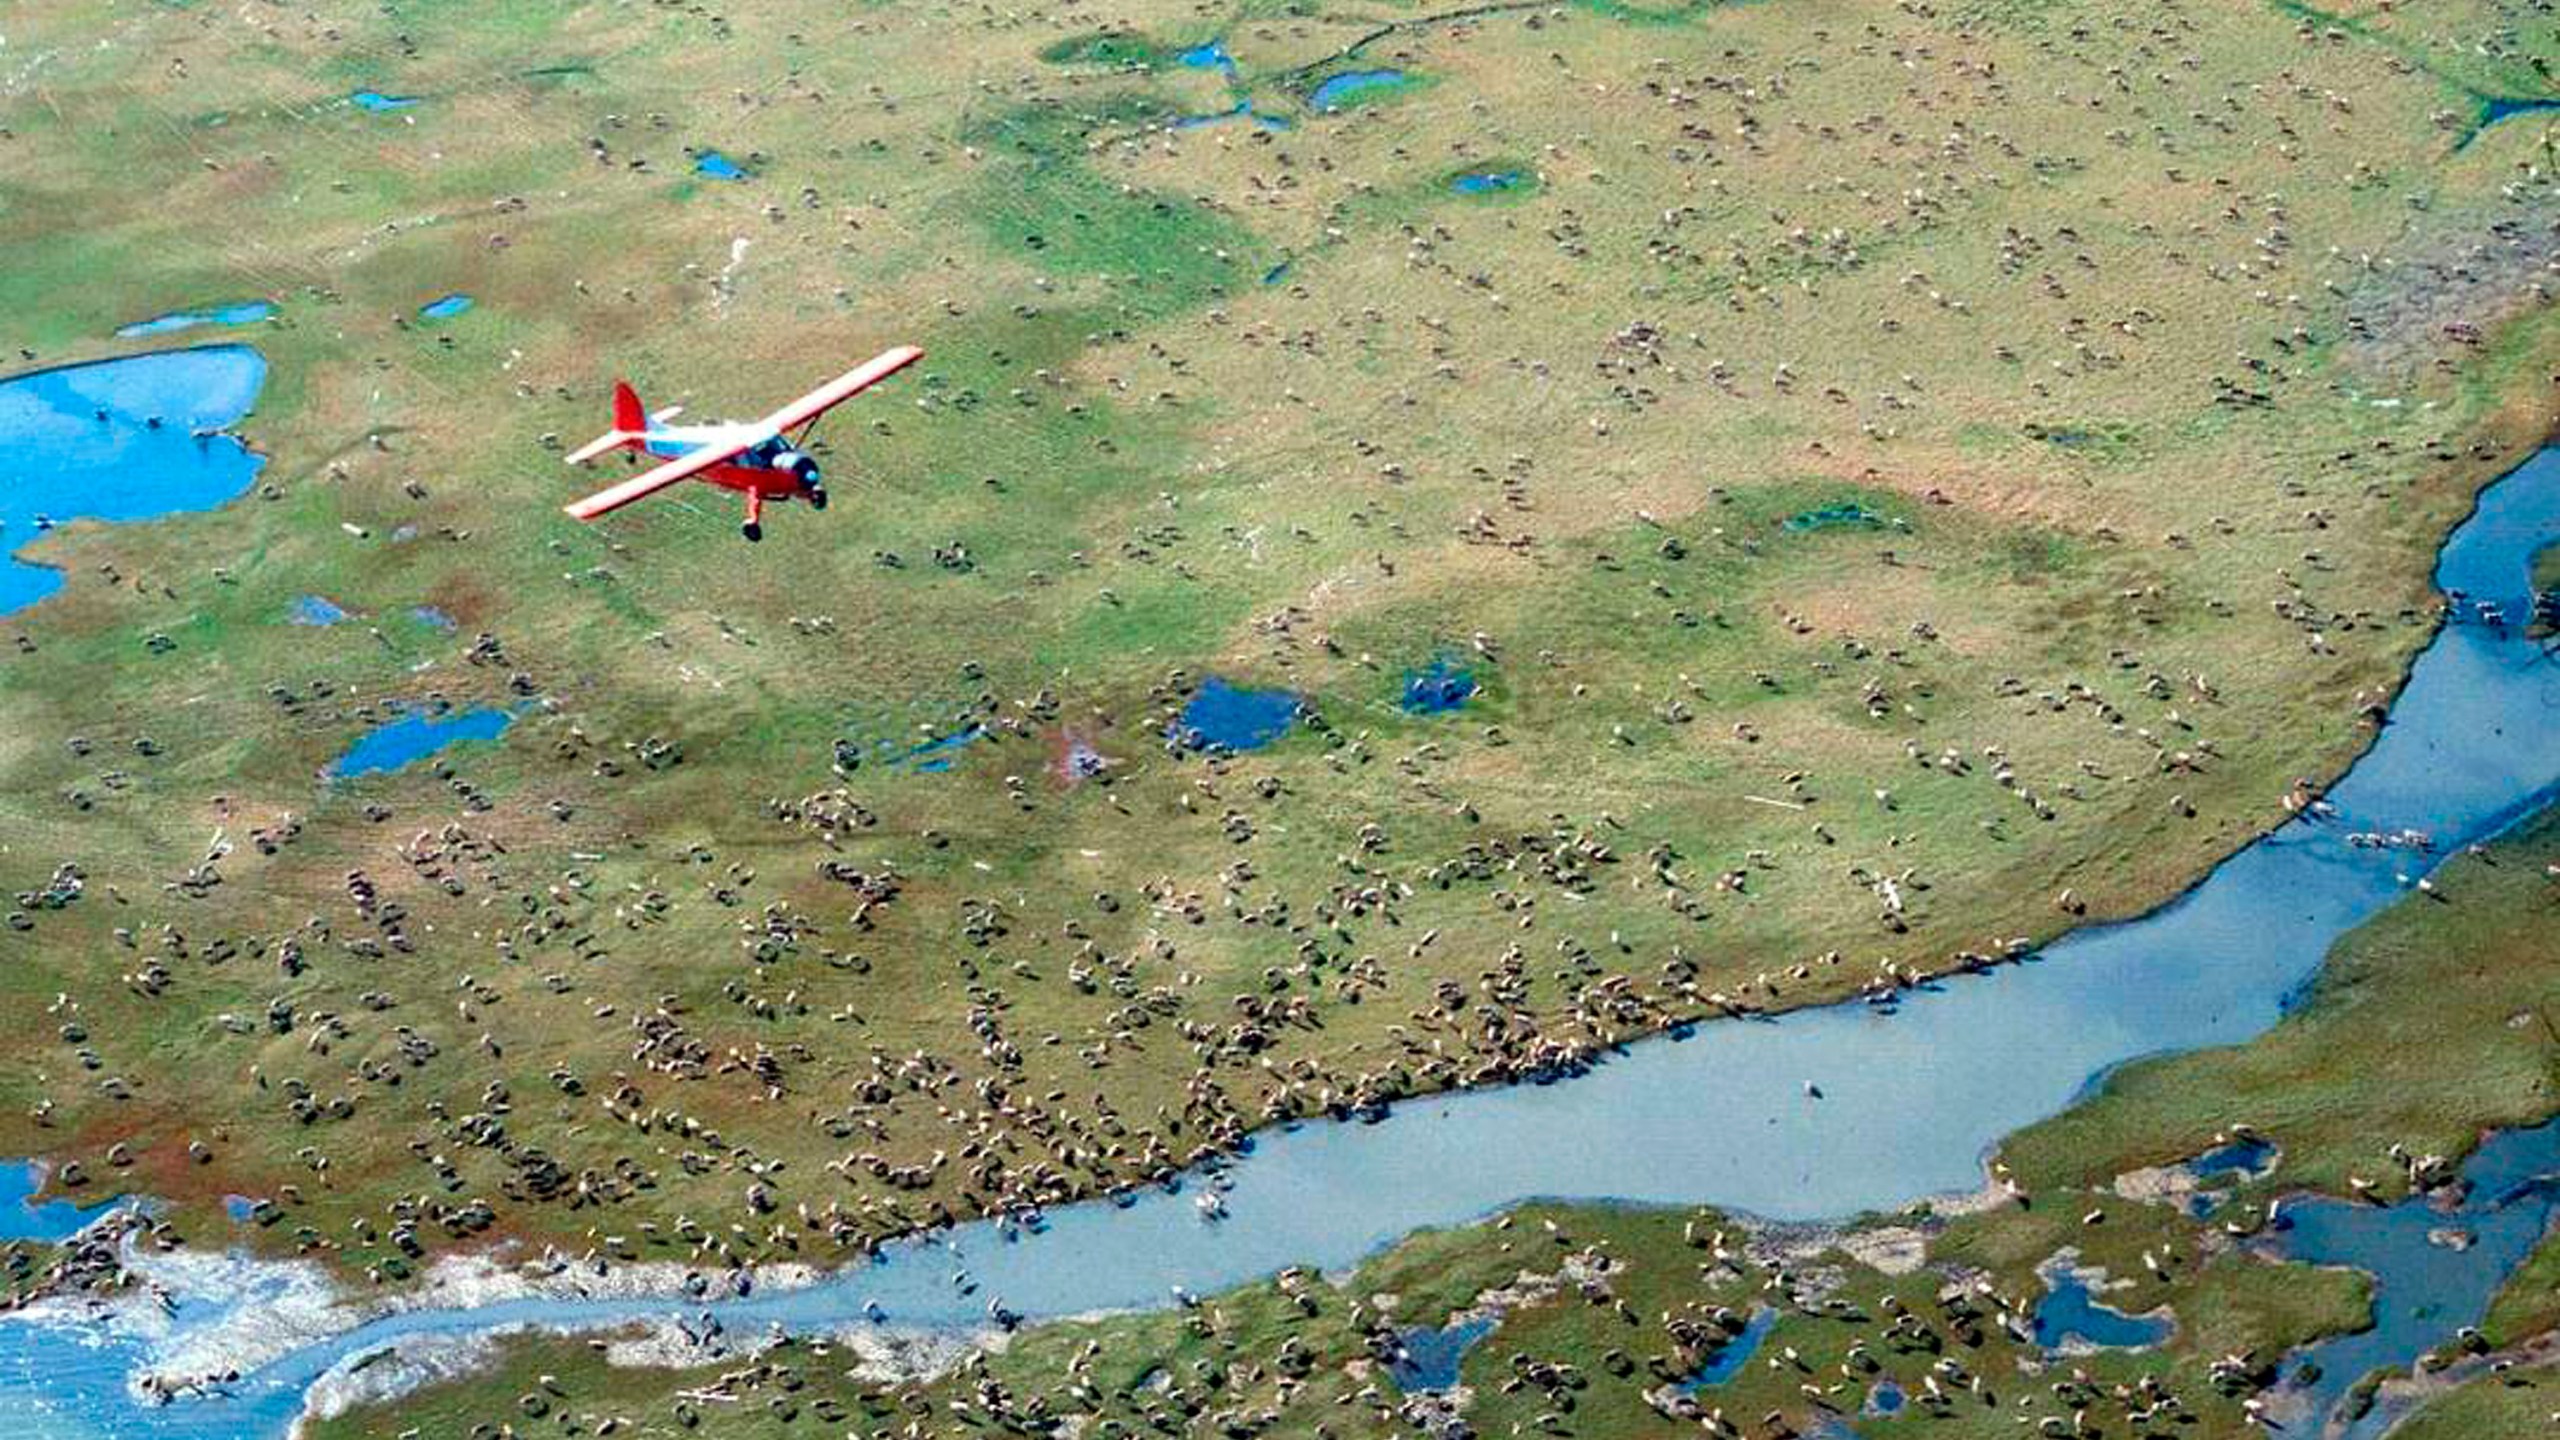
(683, 467)
(837, 391)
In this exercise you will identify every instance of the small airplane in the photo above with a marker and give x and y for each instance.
(763, 459)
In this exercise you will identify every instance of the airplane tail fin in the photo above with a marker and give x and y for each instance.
(630, 427)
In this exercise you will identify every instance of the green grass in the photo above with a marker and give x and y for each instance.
(2519, 1402)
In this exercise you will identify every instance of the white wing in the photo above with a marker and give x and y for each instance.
(683, 467)
(844, 387)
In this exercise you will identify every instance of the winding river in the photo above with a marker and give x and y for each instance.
(1908, 1103)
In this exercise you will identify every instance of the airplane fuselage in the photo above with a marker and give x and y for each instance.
(772, 469)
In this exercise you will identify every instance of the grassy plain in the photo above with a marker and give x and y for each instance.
(2160, 342)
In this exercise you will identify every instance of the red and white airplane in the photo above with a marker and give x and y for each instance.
(760, 458)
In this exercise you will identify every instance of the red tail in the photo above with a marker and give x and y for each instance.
(627, 414)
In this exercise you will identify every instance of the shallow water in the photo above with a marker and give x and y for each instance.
(22, 1217)
(1211, 56)
(937, 756)
(379, 103)
(1909, 1102)
(1831, 516)
(718, 166)
(2425, 1289)
(315, 610)
(247, 312)
(1431, 1357)
(1487, 182)
(2238, 1160)
(2507, 107)
(66, 462)
(1737, 1352)
(2069, 1311)
(1236, 718)
(415, 736)
(445, 307)
(1437, 688)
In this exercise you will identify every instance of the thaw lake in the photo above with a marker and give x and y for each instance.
(119, 440)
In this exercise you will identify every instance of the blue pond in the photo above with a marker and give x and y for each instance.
(2068, 1311)
(379, 103)
(1737, 1352)
(1437, 689)
(316, 610)
(246, 312)
(1212, 56)
(239, 1207)
(1885, 1398)
(415, 736)
(1429, 1359)
(1351, 85)
(1911, 1100)
(1486, 182)
(1237, 719)
(718, 166)
(82, 444)
(1276, 273)
(24, 1218)
(446, 307)
(2424, 1290)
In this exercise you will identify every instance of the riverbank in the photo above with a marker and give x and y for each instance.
(2406, 1039)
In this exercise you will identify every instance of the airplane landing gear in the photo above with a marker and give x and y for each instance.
(817, 497)
(752, 530)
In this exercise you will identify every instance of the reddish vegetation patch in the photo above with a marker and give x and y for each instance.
(1073, 758)
(461, 597)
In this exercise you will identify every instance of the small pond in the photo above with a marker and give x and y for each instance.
(415, 736)
(1235, 718)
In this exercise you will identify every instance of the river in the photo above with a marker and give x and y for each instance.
(1908, 1103)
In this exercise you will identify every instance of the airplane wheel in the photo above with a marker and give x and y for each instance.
(818, 499)
(752, 530)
